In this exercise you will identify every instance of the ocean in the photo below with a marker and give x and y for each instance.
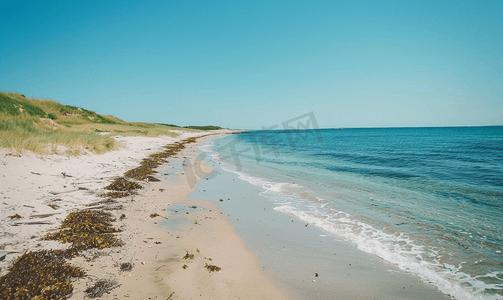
(428, 200)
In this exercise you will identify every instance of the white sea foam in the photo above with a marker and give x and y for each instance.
(399, 250)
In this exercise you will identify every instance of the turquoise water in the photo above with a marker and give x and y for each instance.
(429, 200)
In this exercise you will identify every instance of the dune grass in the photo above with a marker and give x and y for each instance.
(42, 126)
(43, 138)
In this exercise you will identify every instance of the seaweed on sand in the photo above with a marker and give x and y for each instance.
(86, 230)
(151, 178)
(212, 268)
(39, 275)
(106, 201)
(188, 256)
(101, 287)
(139, 173)
(123, 185)
(126, 267)
(154, 160)
(117, 194)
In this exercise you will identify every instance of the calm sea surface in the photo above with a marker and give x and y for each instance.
(429, 200)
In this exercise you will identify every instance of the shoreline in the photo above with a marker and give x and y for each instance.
(302, 259)
(175, 233)
(156, 239)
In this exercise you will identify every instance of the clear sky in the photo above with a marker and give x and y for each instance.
(247, 64)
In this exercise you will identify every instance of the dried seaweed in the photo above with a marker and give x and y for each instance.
(188, 256)
(122, 184)
(39, 275)
(16, 216)
(146, 167)
(154, 215)
(101, 287)
(152, 162)
(115, 195)
(139, 173)
(152, 178)
(126, 267)
(86, 230)
(106, 201)
(53, 206)
(212, 268)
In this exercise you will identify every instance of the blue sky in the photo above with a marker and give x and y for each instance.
(247, 64)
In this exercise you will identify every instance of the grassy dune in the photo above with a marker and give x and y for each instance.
(43, 126)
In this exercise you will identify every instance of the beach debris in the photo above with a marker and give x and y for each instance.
(171, 295)
(126, 267)
(185, 267)
(16, 216)
(65, 192)
(188, 256)
(39, 275)
(154, 215)
(316, 275)
(116, 194)
(44, 215)
(53, 206)
(93, 207)
(101, 287)
(123, 185)
(35, 173)
(87, 229)
(122, 217)
(212, 268)
(31, 222)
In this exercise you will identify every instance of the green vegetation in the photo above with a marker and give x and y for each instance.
(209, 127)
(46, 126)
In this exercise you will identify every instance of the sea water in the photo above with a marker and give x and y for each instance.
(429, 200)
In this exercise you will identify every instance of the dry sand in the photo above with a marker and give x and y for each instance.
(154, 246)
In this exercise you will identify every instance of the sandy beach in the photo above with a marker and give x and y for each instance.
(188, 252)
